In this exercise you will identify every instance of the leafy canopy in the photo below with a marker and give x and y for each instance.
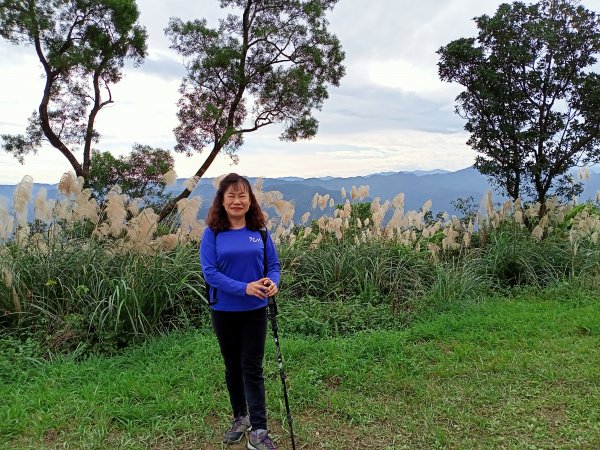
(531, 100)
(139, 174)
(268, 62)
(82, 46)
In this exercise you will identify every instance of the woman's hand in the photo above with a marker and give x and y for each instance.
(256, 289)
(261, 288)
(271, 288)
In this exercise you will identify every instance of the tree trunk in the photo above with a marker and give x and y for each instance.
(52, 137)
(171, 205)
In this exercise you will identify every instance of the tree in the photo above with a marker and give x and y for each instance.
(270, 64)
(82, 46)
(530, 100)
(139, 174)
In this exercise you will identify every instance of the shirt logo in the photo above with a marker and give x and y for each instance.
(253, 239)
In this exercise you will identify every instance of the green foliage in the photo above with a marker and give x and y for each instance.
(19, 358)
(139, 174)
(467, 208)
(359, 210)
(85, 287)
(588, 208)
(455, 285)
(78, 293)
(511, 257)
(375, 272)
(264, 65)
(310, 316)
(530, 99)
(82, 46)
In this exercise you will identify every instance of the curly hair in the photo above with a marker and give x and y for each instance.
(217, 216)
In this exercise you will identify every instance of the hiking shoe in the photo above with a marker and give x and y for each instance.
(239, 426)
(260, 440)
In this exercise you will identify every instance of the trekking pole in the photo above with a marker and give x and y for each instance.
(272, 314)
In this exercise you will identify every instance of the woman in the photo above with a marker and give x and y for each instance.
(232, 259)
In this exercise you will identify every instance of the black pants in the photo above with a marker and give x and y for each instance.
(241, 337)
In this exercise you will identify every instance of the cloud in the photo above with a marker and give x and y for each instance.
(390, 113)
(11, 56)
(6, 125)
(371, 108)
(347, 154)
(162, 65)
(389, 29)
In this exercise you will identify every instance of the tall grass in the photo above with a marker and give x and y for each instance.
(80, 275)
(78, 292)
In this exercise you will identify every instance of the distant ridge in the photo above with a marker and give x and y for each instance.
(430, 172)
(440, 186)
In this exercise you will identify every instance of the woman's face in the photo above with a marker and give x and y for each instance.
(236, 201)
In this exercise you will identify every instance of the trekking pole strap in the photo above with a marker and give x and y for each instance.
(272, 306)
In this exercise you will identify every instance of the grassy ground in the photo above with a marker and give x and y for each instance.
(506, 374)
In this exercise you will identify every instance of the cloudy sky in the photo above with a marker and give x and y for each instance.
(391, 112)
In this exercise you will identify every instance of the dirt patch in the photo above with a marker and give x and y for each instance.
(51, 437)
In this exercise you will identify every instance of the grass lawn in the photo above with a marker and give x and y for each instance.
(505, 374)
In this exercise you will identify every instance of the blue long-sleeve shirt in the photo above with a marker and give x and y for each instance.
(233, 261)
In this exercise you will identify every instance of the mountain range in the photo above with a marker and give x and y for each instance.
(439, 186)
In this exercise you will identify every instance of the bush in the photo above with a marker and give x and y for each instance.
(85, 292)
(376, 272)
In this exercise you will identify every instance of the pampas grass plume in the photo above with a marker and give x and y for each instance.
(433, 248)
(307, 231)
(7, 275)
(65, 183)
(284, 209)
(375, 206)
(141, 228)
(584, 173)
(537, 233)
(21, 198)
(170, 177)
(188, 213)
(168, 241)
(191, 183)
(304, 218)
(315, 243)
(323, 201)
(39, 242)
(398, 201)
(363, 192)
(267, 199)
(85, 206)
(5, 217)
(22, 235)
(258, 184)
(426, 206)
(115, 210)
(42, 207)
(134, 206)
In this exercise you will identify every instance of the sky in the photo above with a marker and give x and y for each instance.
(390, 113)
